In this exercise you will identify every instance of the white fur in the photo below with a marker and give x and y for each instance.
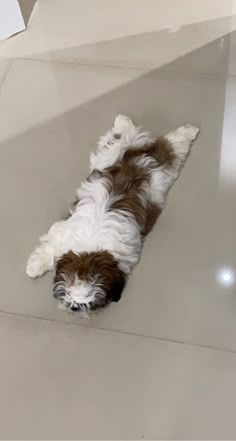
(110, 149)
(81, 291)
(92, 227)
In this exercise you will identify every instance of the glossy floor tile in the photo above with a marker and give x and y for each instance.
(211, 42)
(67, 382)
(152, 32)
(176, 292)
(159, 364)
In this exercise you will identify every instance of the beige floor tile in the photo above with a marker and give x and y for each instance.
(42, 92)
(209, 45)
(172, 62)
(55, 115)
(66, 382)
(152, 33)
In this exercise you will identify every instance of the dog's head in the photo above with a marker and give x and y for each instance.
(88, 281)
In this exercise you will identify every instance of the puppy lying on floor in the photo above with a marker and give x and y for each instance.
(96, 248)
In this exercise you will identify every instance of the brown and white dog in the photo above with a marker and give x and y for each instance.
(96, 248)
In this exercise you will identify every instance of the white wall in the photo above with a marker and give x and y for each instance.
(11, 20)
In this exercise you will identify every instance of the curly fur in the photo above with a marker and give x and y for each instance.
(93, 251)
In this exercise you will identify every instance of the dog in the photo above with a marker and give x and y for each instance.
(95, 249)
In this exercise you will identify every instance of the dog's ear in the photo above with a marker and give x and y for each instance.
(118, 285)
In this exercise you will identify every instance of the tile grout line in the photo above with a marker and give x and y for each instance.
(148, 337)
(11, 61)
(74, 63)
(141, 69)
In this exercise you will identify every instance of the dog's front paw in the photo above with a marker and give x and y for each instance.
(123, 123)
(35, 266)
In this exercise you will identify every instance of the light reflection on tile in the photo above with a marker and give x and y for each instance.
(226, 276)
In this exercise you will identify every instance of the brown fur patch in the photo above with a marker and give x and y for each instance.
(153, 212)
(160, 150)
(126, 180)
(126, 183)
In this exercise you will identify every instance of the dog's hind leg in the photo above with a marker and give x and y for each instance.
(181, 140)
(111, 146)
(170, 152)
